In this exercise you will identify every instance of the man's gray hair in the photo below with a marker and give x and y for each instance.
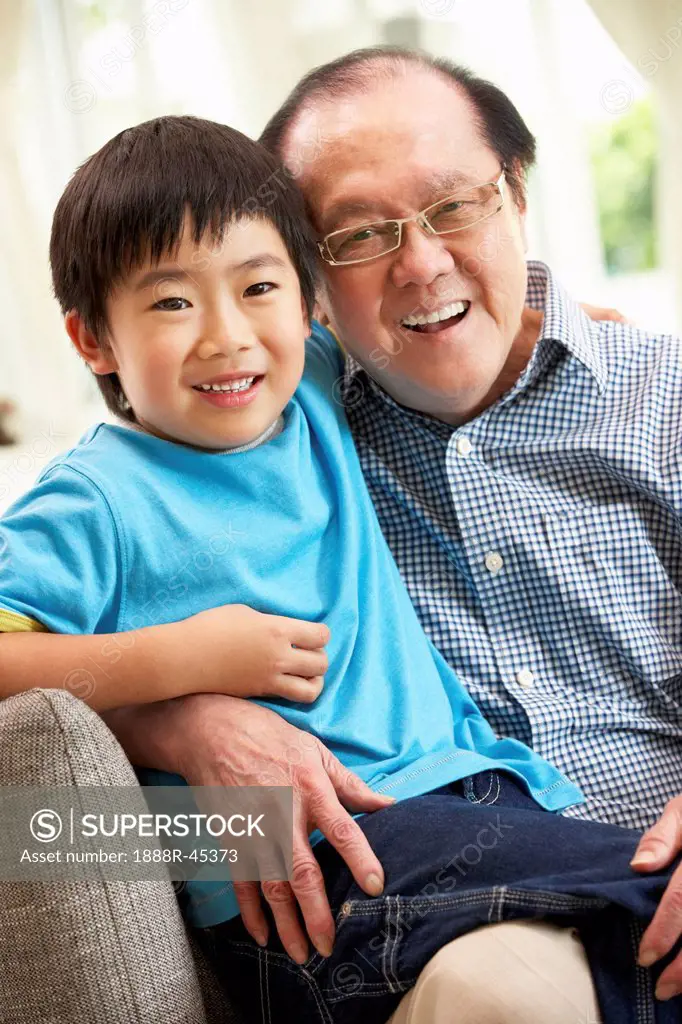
(499, 122)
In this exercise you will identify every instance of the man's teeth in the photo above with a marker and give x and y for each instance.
(228, 385)
(454, 309)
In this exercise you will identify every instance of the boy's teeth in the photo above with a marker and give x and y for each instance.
(229, 385)
(454, 309)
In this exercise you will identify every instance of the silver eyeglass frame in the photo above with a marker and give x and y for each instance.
(419, 218)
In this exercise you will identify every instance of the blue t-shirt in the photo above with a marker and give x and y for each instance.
(128, 530)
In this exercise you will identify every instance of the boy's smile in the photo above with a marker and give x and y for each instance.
(209, 344)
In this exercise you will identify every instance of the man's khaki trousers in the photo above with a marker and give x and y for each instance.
(516, 972)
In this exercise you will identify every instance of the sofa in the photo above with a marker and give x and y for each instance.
(90, 952)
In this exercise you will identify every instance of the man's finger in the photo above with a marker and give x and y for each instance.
(307, 883)
(666, 925)
(662, 841)
(249, 899)
(352, 792)
(669, 983)
(348, 839)
(282, 903)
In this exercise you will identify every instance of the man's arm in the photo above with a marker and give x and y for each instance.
(223, 741)
(232, 649)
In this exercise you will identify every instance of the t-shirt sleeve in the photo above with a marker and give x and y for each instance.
(59, 558)
(324, 353)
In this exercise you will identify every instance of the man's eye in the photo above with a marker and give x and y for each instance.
(172, 304)
(453, 207)
(362, 235)
(260, 288)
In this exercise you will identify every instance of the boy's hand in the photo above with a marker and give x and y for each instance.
(599, 313)
(244, 653)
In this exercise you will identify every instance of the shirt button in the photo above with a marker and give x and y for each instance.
(464, 446)
(525, 678)
(493, 562)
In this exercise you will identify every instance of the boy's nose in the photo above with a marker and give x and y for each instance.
(221, 338)
(217, 347)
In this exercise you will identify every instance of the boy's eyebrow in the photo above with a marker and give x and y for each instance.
(153, 277)
(263, 259)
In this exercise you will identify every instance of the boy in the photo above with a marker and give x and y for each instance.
(186, 274)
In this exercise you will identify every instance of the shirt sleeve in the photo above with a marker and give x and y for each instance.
(60, 566)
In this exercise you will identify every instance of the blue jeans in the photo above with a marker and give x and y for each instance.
(475, 852)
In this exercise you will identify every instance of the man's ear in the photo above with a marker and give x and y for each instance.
(86, 344)
(321, 311)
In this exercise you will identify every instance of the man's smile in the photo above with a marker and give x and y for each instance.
(438, 320)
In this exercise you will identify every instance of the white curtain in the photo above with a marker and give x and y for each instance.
(37, 367)
(649, 32)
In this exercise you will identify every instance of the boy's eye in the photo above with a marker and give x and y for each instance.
(260, 288)
(171, 304)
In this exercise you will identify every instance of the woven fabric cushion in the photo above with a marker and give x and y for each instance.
(89, 952)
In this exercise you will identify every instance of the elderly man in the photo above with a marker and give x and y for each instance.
(525, 466)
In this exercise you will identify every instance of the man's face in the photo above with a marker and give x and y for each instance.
(209, 345)
(408, 143)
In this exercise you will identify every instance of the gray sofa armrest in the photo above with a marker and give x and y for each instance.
(89, 952)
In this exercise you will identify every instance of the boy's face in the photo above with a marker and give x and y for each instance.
(228, 315)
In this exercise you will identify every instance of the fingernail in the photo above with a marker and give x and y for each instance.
(645, 857)
(323, 944)
(373, 885)
(261, 938)
(648, 957)
(664, 992)
(299, 953)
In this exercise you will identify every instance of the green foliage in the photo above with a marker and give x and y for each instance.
(624, 155)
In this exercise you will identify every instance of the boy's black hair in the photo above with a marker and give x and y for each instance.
(129, 200)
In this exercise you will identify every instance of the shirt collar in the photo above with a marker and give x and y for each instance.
(564, 323)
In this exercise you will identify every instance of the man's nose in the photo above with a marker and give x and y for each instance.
(421, 258)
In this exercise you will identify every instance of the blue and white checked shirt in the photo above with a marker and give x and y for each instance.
(542, 547)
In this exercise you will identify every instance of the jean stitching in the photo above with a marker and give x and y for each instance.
(482, 799)
(496, 896)
(262, 982)
(499, 787)
(387, 943)
(539, 897)
(372, 990)
(644, 996)
(394, 974)
(282, 960)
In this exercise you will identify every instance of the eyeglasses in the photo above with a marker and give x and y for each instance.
(369, 241)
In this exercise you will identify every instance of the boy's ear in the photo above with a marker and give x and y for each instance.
(85, 342)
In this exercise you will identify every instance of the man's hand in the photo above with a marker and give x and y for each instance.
(215, 740)
(657, 849)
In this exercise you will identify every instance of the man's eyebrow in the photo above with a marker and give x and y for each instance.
(351, 208)
(443, 182)
(257, 262)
